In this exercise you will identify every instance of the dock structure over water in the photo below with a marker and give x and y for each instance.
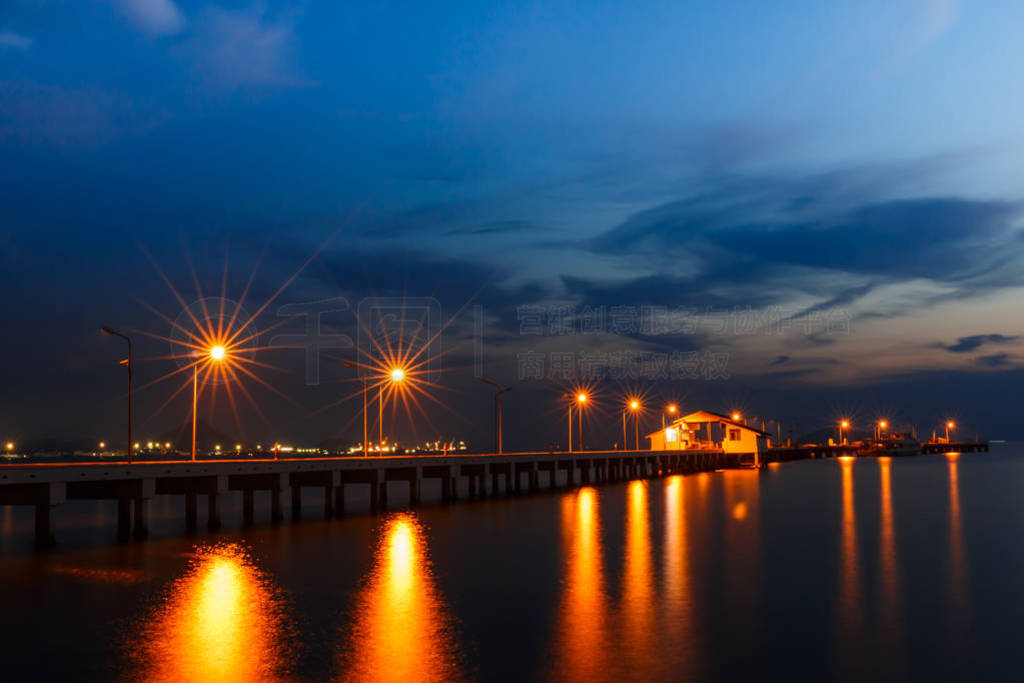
(955, 447)
(48, 486)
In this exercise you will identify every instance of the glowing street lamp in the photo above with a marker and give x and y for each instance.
(843, 424)
(9, 446)
(128, 364)
(949, 425)
(671, 409)
(882, 424)
(396, 376)
(634, 406)
(581, 398)
(217, 354)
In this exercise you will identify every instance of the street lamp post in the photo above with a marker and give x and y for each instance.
(570, 426)
(634, 405)
(843, 424)
(672, 410)
(498, 446)
(949, 425)
(216, 354)
(366, 445)
(636, 427)
(882, 424)
(396, 376)
(581, 398)
(195, 405)
(128, 364)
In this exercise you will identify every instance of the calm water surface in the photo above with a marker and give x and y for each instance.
(818, 570)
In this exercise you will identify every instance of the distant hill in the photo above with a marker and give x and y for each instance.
(206, 437)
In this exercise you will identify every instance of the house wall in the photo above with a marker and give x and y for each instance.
(713, 432)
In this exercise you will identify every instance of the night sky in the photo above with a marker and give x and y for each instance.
(799, 210)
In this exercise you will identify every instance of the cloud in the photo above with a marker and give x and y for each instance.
(33, 112)
(996, 360)
(152, 17)
(779, 360)
(13, 40)
(231, 49)
(496, 227)
(837, 236)
(965, 344)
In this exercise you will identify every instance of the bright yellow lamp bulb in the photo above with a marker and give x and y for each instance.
(634, 404)
(397, 375)
(581, 398)
(217, 353)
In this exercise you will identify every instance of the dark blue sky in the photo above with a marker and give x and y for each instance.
(825, 197)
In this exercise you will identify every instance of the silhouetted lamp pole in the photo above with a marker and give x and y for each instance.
(216, 354)
(581, 398)
(671, 409)
(635, 407)
(128, 364)
(497, 412)
(366, 445)
(395, 376)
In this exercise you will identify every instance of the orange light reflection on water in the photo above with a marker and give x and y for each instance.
(678, 599)
(890, 594)
(957, 554)
(740, 499)
(849, 566)
(582, 633)
(640, 652)
(222, 621)
(402, 631)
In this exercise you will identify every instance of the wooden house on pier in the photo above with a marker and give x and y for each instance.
(706, 430)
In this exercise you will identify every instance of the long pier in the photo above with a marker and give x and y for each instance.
(955, 447)
(47, 486)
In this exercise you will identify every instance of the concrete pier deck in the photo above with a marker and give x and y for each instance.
(48, 486)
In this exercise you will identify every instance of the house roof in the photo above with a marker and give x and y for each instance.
(711, 416)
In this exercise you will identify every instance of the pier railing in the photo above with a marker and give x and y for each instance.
(133, 486)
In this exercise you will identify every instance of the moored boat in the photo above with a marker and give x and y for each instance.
(894, 444)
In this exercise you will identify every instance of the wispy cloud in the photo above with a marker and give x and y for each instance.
(38, 113)
(231, 49)
(965, 344)
(838, 236)
(995, 360)
(13, 40)
(152, 17)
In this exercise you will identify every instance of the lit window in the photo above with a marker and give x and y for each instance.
(734, 435)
